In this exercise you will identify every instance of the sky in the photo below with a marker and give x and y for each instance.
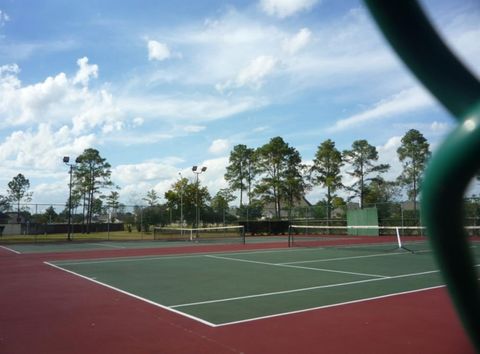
(159, 86)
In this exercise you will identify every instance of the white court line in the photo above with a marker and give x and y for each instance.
(355, 257)
(297, 267)
(10, 249)
(172, 308)
(190, 255)
(107, 245)
(133, 295)
(127, 259)
(328, 306)
(177, 256)
(347, 258)
(302, 289)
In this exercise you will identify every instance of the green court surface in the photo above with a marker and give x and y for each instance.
(224, 288)
(48, 247)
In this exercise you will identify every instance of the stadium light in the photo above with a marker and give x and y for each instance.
(197, 173)
(181, 198)
(66, 160)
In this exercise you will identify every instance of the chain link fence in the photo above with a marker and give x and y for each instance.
(46, 218)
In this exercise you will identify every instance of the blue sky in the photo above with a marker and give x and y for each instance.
(159, 86)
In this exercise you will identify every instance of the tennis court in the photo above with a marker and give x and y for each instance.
(219, 289)
(53, 247)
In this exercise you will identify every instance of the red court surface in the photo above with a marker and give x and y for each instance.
(45, 310)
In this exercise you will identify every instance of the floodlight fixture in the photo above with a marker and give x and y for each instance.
(181, 200)
(66, 160)
(197, 184)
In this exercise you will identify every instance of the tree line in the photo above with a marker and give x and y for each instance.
(273, 174)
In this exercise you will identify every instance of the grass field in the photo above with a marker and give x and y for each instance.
(224, 288)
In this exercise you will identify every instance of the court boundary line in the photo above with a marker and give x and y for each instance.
(133, 295)
(214, 325)
(298, 267)
(173, 310)
(107, 245)
(201, 254)
(303, 289)
(393, 253)
(329, 306)
(10, 249)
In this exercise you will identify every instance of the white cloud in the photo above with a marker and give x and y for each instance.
(143, 172)
(438, 127)
(252, 75)
(4, 18)
(260, 129)
(137, 179)
(42, 149)
(9, 70)
(285, 8)
(191, 110)
(213, 177)
(405, 101)
(137, 122)
(158, 51)
(387, 154)
(296, 43)
(58, 100)
(31, 103)
(85, 72)
(98, 110)
(219, 146)
(256, 71)
(143, 138)
(193, 128)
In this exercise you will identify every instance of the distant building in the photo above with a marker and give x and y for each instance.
(12, 217)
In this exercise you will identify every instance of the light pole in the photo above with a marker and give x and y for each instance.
(66, 160)
(195, 170)
(181, 199)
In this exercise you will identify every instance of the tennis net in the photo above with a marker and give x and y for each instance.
(409, 238)
(221, 234)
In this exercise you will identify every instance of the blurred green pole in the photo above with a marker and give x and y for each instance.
(457, 160)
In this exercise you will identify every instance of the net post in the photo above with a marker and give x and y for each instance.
(399, 240)
(289, 240)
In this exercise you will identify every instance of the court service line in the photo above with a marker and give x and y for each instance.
(132, 295)
(329, 305)
(347, 258)
(302, 289)
(168, 257)
(107, 245)
(297, 267)
(10, 249)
